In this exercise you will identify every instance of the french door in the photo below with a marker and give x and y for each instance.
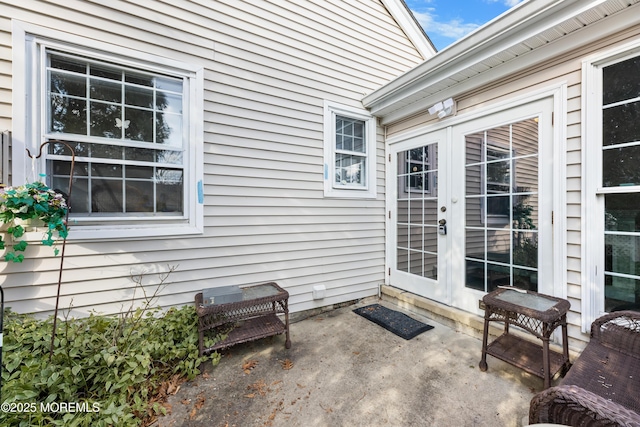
(473, 207)
(420, 193)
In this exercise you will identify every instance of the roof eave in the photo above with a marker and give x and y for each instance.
(415, 33)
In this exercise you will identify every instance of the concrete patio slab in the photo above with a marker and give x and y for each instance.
(347, 371)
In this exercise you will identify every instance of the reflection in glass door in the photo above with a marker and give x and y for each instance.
(622, 252)
(502, 205)
(417, 215)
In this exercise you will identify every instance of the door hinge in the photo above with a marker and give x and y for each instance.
(552, 219)
(389, 158)
(389, 214)
(389, 271)
(553, 116)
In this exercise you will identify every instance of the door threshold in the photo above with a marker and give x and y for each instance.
(468, 323)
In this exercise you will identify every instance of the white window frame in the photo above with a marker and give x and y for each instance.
(593, 267)
(29, 125)
(331, 189)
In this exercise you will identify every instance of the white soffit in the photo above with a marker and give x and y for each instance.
(531, 32)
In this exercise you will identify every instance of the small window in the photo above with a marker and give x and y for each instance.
(349, 144)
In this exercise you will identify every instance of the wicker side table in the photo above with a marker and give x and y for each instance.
(536, 313)
(252, 318)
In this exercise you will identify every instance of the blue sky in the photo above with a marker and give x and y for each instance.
(446, 21)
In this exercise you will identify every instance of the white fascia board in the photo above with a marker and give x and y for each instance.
(590, 34)
(507, 30)
(400, 12)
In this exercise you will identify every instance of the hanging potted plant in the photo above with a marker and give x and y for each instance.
(32, 202)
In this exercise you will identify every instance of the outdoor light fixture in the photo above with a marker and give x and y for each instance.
(444, 108)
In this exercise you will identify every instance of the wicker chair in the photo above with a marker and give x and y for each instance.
(602, 388)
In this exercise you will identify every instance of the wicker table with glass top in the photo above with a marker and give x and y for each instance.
(254, 317)
(536, 313)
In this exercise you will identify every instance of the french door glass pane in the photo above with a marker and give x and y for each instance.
(403, 258)
(475, 275)
(430, 262)
(525, 249)
(474, 245)
(525, 211)
(526, 170)
(499, 246)
(502, 207)
(525, 279)
(417, 223)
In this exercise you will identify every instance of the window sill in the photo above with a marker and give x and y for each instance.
(350, 194)
(120, 232)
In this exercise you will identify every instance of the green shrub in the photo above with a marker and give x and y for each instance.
(116, 363)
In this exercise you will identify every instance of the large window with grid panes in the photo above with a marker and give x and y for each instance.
(612, 176)
(125, 129)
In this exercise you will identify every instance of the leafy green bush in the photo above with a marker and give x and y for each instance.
(32, 201)
(110, 368)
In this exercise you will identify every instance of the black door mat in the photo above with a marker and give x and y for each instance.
(393, 321)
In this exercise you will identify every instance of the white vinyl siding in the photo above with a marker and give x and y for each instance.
(268, 67)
